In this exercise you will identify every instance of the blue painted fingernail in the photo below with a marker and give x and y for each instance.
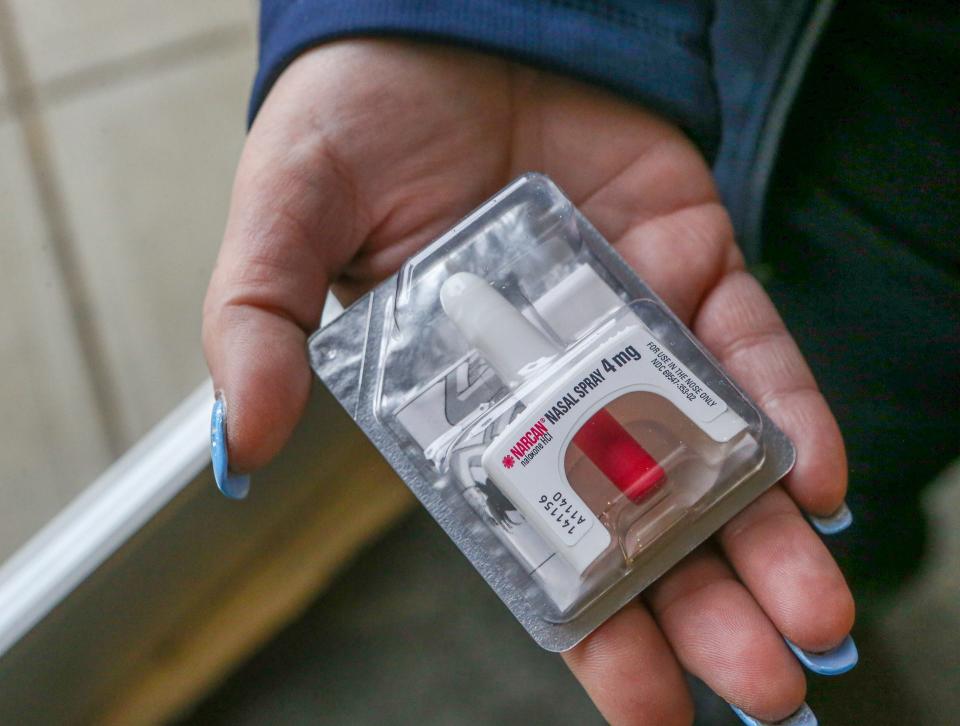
(234, 486)
(834, 523)
(831, 663)
(803, 716)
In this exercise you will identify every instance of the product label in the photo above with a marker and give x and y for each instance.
(526, 460)
(657, 367)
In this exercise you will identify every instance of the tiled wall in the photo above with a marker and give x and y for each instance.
(121, 122)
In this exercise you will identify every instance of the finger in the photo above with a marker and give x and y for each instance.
(629, 671)
(737, 321)
(720, 634)
(789, 572)
(292, 224)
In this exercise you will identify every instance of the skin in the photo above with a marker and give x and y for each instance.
(363, 152)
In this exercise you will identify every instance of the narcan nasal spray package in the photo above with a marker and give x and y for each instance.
(564, 428)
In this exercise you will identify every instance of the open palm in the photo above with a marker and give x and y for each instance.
(363, 152)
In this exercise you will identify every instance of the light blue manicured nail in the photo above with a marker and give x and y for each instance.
(803, 716)
(835, 523)
(235, 486)
(832, 663)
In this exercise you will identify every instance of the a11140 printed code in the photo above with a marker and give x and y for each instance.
(562, 512)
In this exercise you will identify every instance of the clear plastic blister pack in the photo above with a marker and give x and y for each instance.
(558, 421)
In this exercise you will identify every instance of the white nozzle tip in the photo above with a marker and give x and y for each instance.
(500, 333)
(461, 289)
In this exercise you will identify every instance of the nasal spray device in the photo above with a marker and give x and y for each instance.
(516, 349)
(565, 429)
(483, 316)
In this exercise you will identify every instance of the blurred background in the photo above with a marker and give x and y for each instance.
(120, 125)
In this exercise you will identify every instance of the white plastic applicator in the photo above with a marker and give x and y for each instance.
(509, 342)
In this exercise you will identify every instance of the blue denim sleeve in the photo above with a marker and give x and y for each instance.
(653, 52)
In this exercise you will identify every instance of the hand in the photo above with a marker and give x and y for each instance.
(363, 152)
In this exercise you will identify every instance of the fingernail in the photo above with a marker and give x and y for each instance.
(803, 716)
(831, 663)
(234, 486)
(834, 523)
